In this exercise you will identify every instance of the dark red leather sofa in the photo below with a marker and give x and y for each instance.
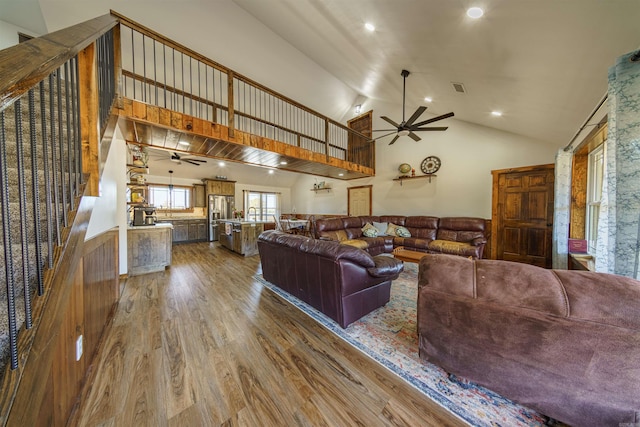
(566, 343)
(341, 281)
(463, 236)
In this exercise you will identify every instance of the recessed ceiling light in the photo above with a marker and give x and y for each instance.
(270, 171)
(283, 162)
(221, 164)
(183, 143)
(428, 99)
(370, 27)
(340, 174)
(475, 12)
(496, 113)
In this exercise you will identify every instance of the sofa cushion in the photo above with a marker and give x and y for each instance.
(360, 244)
(391, 229)
(402, 232)
(369, 230)
(449, 247)
(337, 235)
(382, 227)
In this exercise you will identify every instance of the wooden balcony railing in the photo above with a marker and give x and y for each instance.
(164, 73)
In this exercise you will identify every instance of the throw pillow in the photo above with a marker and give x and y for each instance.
(382, 228)
(391, 229)
(402, 232)
(369, 230)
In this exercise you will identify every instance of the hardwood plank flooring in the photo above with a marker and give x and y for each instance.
(203, 344)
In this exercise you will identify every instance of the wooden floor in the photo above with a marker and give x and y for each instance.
(203, 344)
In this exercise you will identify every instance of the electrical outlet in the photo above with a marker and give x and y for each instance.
(79, 348)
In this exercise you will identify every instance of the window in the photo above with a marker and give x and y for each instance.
(595, 176)
(267, 205)
(175, 199)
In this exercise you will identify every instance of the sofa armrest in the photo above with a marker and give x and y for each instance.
(386, 267)
(478, 241)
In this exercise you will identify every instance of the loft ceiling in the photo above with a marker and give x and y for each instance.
(543, 63)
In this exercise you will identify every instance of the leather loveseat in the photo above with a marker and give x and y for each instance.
(341, 281)
(450, 235)
(565, 343)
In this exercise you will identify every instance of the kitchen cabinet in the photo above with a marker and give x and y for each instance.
(148, 248)
(221, 187)
(199, 196)
(243, 238)
(188, 229)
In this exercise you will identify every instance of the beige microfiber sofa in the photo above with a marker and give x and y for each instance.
(451, 235)
(565, 343)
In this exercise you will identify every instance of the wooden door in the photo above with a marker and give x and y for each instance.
(359, 201)
(522, 217)
(361, 150)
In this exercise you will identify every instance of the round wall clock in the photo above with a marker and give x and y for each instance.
(430, 165)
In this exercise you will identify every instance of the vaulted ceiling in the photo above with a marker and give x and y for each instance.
(542, 63)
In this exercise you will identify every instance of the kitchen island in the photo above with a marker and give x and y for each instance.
(241, 236)
(148, 248)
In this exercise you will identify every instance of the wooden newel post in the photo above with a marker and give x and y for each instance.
(89, 117)
(326, 138)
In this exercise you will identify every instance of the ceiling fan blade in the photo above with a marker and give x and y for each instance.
(394, 139)
(415, 115)
(388, 120)
(194, 160)
(414, 136)
(386, 134)
(435, 119)
(385, 130)
(433, 128)
(191, 162)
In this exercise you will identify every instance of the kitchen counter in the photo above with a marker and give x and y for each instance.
(148, 248)
(242, 237)
(181, 218)
(157, 225)
(187, 229)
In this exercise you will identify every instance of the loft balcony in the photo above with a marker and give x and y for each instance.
(174, 98)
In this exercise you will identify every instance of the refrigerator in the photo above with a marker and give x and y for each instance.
(220, 207)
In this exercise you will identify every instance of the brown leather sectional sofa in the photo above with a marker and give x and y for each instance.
(450, 235)
(341, 281)
(566, 343)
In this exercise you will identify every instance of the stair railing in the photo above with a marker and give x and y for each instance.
(56, 95)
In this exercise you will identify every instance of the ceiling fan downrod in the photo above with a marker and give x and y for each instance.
(404, 75)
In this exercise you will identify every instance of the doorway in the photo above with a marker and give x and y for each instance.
(522, 214)
(359, 200)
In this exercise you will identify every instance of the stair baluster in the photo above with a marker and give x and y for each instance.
(35, 190)
(8, 254)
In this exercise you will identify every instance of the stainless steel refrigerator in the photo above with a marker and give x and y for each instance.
(220, 207)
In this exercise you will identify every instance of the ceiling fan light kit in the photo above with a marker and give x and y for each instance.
(408, 127)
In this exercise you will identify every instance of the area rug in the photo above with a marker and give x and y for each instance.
(389, 336)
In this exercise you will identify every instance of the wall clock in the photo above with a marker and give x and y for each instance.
(430, 165)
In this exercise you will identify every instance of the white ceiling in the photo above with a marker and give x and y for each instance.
(543, 63)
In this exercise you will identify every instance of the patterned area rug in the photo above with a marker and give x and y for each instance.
(389, 335)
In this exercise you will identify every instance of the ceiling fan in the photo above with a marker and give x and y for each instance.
(175, 157)
(408, 127)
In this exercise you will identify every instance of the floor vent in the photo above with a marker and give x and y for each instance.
(458, 87)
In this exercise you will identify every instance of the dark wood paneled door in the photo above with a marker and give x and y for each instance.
(522, 217)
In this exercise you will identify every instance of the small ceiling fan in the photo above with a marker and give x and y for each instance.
(175, 157)
(408, 127)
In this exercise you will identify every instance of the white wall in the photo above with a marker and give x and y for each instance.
(9, 34)
(463, 184)
(110, 209)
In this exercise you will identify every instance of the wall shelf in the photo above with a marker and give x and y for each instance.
(429, 175)
(315, 190)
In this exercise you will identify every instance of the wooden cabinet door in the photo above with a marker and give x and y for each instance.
(213, 187)
(199, 198)
(228, 188)
(522, 217)
(180, 231)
